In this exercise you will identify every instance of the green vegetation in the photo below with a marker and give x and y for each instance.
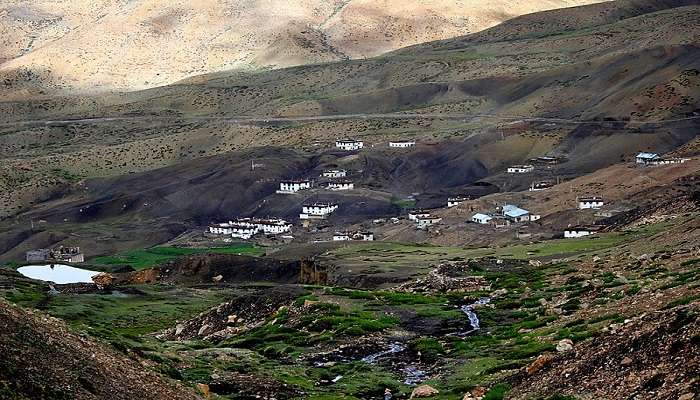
(141, 259)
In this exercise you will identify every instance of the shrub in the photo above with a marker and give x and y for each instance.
(497, 392)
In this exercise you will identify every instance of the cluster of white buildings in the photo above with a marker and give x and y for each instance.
(317, 210)
(246, 228)
(334, 173)
(507, 214)
(358, 235)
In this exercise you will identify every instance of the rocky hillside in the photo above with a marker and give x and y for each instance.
(649, 357)
(43, 359)
(124, 45)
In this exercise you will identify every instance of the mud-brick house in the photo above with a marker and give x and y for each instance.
(587, 203)
(425, 222)
(334, 173)
(294, 186)
(520, 169)
(349, 144)
(457, 200)
(402, 144)
(243, 231)
(340, 185)
(414, 215)
(317, 210)
(581, 231)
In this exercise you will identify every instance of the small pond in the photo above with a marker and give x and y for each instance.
(57, 273)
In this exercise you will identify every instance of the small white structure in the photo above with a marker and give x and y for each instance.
(334, 173)
(414, 215)
(587, 203)
(521, 169)
(349, 144)
(515, 214)
(455, 201)
(340, 185)
(317, 210)
(402, 144)
(358, 236)
(293, 186)
(543, 185)
(580, 231)
(480, 218)
(646, 158)
(341, 236)
(425, 222)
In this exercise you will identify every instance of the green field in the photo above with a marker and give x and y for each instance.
(146, 258)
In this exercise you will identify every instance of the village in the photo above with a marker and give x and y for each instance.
(588, 213)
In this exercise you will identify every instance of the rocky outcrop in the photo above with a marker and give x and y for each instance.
(448, 277)
(655, 356)
(236, 316)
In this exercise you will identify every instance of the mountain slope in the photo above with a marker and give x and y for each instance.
(80, 368)
(127, 45)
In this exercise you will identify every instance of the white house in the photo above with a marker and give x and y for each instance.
(515, 214)
(317, 210)
(543, 185)
(580, 231)
(455, 201)
(666, 161)
(224, 228)
(521, 169)
(273, 226)
(340, 185)
(359, 236)
(349, 144)
(402, 144)
(646, 158)
(293, 186)
(341, 236)
(586, 203)
(243, 231)
(414, 215)
(424, 222)
(334, 173)
(480, 218)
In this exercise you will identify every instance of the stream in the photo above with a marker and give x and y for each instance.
(468, 310)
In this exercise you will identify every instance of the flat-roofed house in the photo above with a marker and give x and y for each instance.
(402, 144)
(587, 203)
(480, 218)
(457, 200)
(334, 173)
(340, 185)
(294, 186)
(243, 231)
(520, 169)
(425, 222)
(413, 215)
(341, 236)
(349, 144)
(317, 210)
(515, 213)
(646, 158)
(580, 231)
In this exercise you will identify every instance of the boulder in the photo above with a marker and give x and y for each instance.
(626, 361)
(540, 362)
(565, 345)
(424, 391)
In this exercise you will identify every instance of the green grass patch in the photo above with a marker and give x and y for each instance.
(146, 258)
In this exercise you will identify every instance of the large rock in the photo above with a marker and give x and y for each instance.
(565, 345)
(540, 362)
(424, 391)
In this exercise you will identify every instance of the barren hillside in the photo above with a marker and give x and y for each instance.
(124, 45)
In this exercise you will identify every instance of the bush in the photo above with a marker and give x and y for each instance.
(497, 392)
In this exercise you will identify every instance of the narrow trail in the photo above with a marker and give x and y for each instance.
(241, 119)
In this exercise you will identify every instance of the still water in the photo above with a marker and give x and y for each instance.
(57, 273)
